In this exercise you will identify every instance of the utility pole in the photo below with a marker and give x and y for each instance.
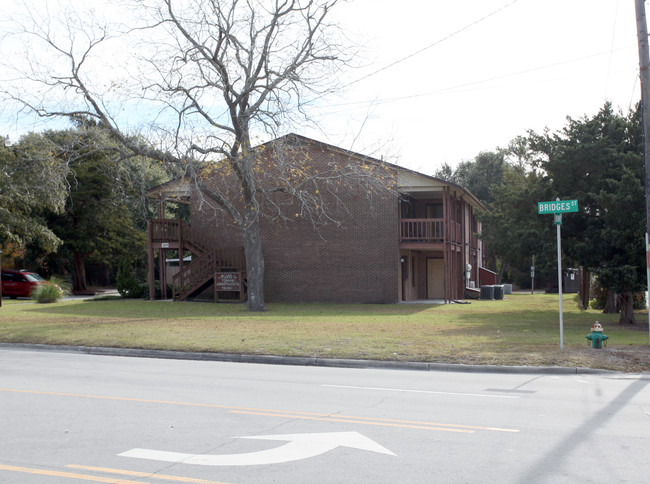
(644, 64)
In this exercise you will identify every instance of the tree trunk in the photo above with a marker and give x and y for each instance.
(79, 283)
(254, 266)
(610, 305)
(627, 308)
(584, 287)
(501, 270)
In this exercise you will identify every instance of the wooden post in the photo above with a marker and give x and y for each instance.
(162, 261)
(150, 262)
(445, 240)
(161, 207)
(181, 246)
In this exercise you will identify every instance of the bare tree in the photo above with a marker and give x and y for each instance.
(209, 76)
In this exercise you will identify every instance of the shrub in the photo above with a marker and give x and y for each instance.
(127, 284)
(51, 291)
(639, 300)
(598, 295)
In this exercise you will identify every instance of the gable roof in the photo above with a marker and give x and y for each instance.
(407, 180)
(176, 190)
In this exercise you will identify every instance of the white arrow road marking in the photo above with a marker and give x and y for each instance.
(299, 446)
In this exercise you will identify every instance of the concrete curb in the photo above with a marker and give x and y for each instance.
(307, 361)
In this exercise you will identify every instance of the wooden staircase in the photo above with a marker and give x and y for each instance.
(203, 269)
(207, 261)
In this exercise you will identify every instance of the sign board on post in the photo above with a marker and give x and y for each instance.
(557, 208)
(227, 281)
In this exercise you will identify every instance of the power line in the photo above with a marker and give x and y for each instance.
(418, 52)
(609, 66)
(478, 82)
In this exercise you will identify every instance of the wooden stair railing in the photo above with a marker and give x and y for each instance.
(203, 268)
(206, 261)
(194, 240)
(193, 276)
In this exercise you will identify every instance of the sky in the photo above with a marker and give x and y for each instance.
(440, 81)
(478, 73)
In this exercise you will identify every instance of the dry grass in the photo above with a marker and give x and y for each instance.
(522, 330)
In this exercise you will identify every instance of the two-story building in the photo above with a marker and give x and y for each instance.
(418, 242)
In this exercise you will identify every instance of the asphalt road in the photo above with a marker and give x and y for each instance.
(69, 418)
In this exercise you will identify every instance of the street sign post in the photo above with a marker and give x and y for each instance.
(557, 208)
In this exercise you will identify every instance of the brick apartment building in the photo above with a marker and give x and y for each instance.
(415, 242)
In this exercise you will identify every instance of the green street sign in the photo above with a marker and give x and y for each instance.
(559, 206)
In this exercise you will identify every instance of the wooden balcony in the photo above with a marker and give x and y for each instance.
(174, 234)
(428, 232)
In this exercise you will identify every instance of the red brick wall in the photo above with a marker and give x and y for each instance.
(354, 262)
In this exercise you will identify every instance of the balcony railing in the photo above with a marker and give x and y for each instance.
(165, 230)
(428, 230)
(173, 230)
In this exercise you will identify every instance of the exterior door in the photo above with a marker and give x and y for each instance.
(434, 210)
(435, 279)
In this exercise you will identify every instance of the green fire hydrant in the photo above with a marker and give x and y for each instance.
(597, 337)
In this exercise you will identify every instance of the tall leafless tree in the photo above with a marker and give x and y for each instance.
(209, 77)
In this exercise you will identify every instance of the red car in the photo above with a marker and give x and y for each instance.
(19, 283)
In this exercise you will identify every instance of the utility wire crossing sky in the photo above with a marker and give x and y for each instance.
(440, 81)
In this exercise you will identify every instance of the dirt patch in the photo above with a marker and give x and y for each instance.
(632, 360)
(623, 359)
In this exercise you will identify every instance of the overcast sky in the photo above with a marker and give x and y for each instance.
(440, 81)
(486, 71)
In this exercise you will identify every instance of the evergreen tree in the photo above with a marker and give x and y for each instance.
(32, 181)
(104, 217)
(598, 161)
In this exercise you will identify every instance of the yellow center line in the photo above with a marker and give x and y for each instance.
(376, 421)
(264, 411)
(69, 475)
(144, 474)
(351, 420)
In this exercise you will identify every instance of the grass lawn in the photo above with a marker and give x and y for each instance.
(523, 329)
